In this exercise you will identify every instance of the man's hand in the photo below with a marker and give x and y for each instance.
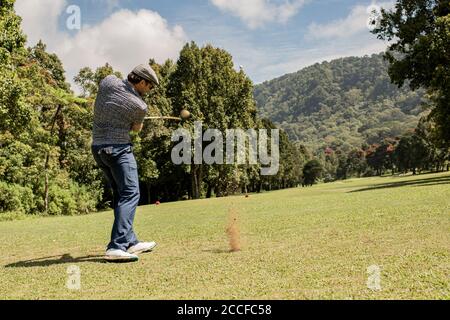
(137, 127)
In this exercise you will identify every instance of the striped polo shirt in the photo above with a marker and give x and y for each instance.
(118, 106)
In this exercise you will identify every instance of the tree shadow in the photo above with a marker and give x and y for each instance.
(56, 260)
(416, 183)
(432, 184)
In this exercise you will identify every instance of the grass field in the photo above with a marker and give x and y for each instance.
(314, 243)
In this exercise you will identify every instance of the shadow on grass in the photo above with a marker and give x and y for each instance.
(55, 260)
(416, 183)
(218, 251)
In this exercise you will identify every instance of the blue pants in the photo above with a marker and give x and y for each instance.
(120, 168)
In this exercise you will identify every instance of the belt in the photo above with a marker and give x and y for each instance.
(109, 150)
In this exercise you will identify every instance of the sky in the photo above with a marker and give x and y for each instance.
(267, 38)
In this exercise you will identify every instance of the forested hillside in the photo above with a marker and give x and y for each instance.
(340, 104)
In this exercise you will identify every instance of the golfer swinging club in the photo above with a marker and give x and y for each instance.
(119, 109)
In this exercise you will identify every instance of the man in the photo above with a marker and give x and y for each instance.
(119, 109)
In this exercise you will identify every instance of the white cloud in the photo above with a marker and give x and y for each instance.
(124, 39)
(127, 38)
(349, 36)
(356, 22)
(256, 13)
(40, 18)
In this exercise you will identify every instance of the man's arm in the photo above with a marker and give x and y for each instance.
(137, 127)
(138, 118)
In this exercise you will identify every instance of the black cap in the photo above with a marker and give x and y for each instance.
(146, 72)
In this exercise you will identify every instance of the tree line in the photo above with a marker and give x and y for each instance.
(46, 166)
(415, 152)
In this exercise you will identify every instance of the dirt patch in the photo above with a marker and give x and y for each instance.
(233, 232)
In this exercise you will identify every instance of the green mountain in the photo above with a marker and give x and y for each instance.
(340, 104)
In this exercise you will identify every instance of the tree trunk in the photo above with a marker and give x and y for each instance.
(46, 194)
(195, 193)
(196, 178)
(47, 160)
(149, 194)
(209, 192)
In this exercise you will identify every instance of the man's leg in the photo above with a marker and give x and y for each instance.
(97, 152)
(126, 197)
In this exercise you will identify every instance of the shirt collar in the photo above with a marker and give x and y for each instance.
(131, 88)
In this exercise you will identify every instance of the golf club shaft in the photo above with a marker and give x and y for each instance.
(163, 118)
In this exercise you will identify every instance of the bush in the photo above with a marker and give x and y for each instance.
(73, 200)
(86, 198)
(61, 201)
(64, 198)
(16, 198)
(12, 216)
(328, 178)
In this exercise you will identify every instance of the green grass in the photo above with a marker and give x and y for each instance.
(312, 243)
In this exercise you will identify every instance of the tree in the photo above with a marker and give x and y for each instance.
(438, 154)
(50, 63)
(34, 99)
(89, 81)
(411, 154)
(16, 117)
(380, 157)
(420, 30)
(343, 167)
(356, 162)
(206, 82)
(311, 172)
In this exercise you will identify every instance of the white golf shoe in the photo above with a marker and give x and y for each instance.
(115, 255)
(142, 247)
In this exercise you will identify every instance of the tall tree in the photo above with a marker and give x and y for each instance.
(89, 80)
(381, 156)
(16, 117)
(411, 153)
(34, 99)
(50, 63)
(419, 54)
(206, 82)
(438, 154)
(311, 172)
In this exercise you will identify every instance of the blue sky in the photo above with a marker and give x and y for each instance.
(268, 38)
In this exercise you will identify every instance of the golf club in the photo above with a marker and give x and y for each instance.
(184, 115)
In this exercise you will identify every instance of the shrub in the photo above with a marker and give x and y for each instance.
(61, 201)
(73, 200)
(16, 198)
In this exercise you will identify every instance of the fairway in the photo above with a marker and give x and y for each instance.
(303, 243)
